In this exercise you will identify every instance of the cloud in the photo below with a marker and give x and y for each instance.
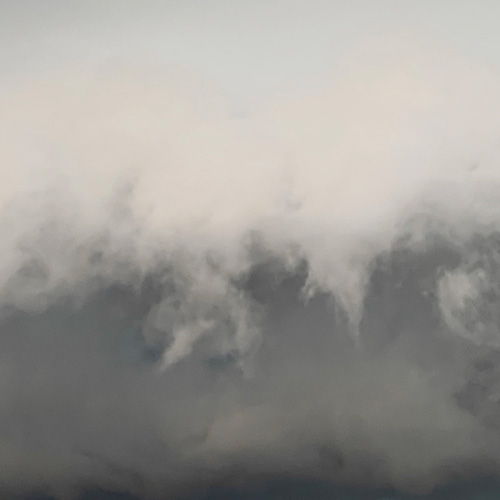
(187, 296)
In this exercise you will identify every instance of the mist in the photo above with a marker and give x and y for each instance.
(291, 293)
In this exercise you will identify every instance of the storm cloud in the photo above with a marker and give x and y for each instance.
(301, 295)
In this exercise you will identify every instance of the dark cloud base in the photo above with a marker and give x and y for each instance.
(84, 404)
(485, 489)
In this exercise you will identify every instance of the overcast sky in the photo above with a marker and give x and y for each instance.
(336, 179)
(248, 47)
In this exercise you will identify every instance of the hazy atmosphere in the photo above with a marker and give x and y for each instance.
(250, 250)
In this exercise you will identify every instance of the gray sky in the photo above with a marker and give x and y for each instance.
(339, 180)
(249, 48)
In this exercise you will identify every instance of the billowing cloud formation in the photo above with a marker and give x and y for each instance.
(309, 290)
